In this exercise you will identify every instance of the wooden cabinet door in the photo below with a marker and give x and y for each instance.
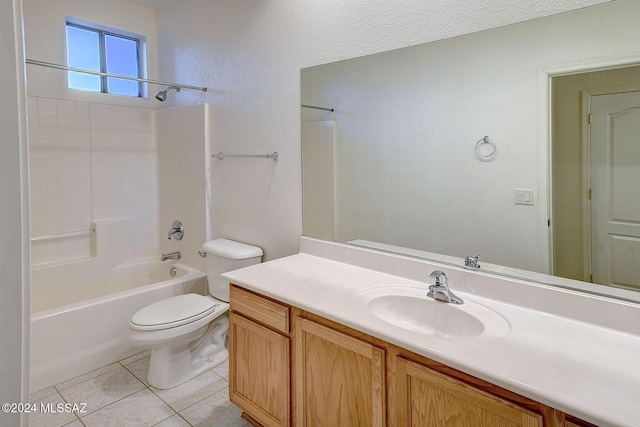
(259, 371)
(339, 380)
(427, 398)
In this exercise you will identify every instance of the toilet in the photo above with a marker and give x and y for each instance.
(186, 333)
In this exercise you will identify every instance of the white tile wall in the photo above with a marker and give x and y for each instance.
(124, 165)
(91, 162)
(60, 176)
(130, 171)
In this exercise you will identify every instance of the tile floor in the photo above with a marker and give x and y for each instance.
(118, 395)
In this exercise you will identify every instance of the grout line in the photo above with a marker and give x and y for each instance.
(161, 421)
(179, 416)
(125, 397)
(102, 407)
(119, 365)
(206, 397)
(58, 389)
(203, 398)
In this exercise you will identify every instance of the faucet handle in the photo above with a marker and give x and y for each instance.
(177, 230)
(440, 290)
(440, 277)
(471, 262)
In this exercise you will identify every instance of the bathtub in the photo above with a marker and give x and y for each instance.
(75, 338)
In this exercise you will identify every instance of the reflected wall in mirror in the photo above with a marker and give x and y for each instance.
(396, 162)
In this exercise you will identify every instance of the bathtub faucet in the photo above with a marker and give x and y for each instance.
(172, 255)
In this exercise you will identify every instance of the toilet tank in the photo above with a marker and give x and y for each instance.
(224, 255)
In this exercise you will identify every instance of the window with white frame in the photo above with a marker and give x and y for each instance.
(107, 51)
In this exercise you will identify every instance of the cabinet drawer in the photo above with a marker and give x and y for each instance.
(260, 309)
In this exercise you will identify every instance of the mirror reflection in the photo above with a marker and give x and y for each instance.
(481, 144)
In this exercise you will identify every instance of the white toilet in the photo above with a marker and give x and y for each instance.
(186, 333)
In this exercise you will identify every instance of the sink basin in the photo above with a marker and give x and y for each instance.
(410, 308)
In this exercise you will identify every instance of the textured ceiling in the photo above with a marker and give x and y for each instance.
(154, 4)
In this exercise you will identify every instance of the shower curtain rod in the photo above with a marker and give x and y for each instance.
(317, 108)
(115, 76)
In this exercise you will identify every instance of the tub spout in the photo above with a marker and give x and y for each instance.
(172, 255)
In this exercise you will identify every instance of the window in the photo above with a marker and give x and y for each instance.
(107, 52)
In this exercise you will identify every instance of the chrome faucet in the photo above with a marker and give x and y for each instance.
(440, 290)
(176, 231)
(172, 255)
(471, 262)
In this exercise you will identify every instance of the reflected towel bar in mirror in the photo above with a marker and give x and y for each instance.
(275, 156)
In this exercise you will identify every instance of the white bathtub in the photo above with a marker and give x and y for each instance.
(69, 340)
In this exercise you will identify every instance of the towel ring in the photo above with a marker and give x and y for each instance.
(484, 145)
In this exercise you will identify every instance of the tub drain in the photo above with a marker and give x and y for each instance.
(173, 271)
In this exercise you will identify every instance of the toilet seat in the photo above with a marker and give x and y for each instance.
(173, 312)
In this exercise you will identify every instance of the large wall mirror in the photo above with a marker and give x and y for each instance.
(482, 144)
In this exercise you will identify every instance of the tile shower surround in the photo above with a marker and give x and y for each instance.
(91, 162)
(119, 395)
(137, 169)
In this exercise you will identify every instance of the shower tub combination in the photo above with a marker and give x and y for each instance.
(69, 340)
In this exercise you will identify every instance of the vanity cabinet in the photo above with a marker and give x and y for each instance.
(259, 358)
(339, 379)
(427, 398)
(289, 367)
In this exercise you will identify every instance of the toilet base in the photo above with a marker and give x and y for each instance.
(170, 366)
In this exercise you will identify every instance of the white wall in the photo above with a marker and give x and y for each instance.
(45, 40)
(250, 54)
(14, 211)
(183, 173)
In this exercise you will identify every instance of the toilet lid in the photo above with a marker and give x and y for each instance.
(174, 311)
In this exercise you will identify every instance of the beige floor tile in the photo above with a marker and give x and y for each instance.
(135, 357)
(140, 368)
(75, 423)
(214, 411)
(222, 370)
(42, 393)
(185, 395)
(50, 419)
(87, 376)
(175, 421)
(104, 389)
(142, 409)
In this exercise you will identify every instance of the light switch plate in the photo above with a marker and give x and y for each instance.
(523, 196)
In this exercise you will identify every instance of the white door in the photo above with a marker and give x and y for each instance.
(615, 189)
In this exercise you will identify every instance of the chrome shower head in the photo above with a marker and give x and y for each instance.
(162, 95)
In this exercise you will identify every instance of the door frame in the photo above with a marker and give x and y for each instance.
(545, 140)
(586, 167)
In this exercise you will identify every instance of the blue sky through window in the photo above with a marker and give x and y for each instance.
(83, 51)
(97, 50)
(122, 58)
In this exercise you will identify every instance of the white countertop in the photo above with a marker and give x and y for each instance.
(588, 368)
